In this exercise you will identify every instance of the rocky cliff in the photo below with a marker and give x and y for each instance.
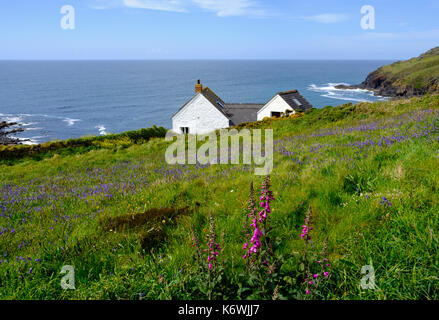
(414, 77)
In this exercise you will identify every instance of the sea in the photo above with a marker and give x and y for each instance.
(56, 100)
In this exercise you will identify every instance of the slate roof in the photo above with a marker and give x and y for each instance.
(295, 100)
(242, 112)
(212, 97)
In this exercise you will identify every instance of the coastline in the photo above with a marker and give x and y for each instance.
(347, 92)
(60, 110)
(410, 78)
(342, 92)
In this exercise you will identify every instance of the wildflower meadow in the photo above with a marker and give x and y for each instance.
(351, 186)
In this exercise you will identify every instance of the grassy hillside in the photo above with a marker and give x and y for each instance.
(10, 153)
(420, 71)
(416, 76)
(134, 227)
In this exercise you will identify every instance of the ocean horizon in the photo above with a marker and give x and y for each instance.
(63, 99)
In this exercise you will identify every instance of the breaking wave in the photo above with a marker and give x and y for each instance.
(102, 130)
(355, 95)
(70, 122)
(36, 127)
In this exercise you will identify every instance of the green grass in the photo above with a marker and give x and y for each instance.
(10, 154)
(420, 72)
(339, 161)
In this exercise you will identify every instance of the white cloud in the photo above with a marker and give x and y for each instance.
(163, 5)
(105, 4)
(223, 8)
(327, 18)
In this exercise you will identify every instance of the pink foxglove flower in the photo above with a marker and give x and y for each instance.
(258, 220)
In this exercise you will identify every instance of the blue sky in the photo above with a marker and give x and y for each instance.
(217, 29)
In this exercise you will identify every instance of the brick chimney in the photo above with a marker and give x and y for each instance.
(198, 87)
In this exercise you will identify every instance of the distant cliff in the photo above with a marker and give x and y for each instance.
(414, 77)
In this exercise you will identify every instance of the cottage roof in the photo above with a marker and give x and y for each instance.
(295, 100)
(242, 112)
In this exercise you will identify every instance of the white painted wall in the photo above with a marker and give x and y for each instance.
(200, 116)
(277, 104)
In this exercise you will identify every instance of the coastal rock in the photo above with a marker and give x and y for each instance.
(5, 135)
(414, 77)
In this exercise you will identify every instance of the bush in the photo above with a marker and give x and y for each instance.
(81, 145)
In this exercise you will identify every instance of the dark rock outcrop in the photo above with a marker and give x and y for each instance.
(5, 135)
(415, 77)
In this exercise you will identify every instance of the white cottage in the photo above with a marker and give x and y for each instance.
(206, 112)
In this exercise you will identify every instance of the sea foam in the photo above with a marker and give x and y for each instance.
(330, 91)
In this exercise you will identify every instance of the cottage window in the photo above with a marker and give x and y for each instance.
(275, 114)
(184, 130)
